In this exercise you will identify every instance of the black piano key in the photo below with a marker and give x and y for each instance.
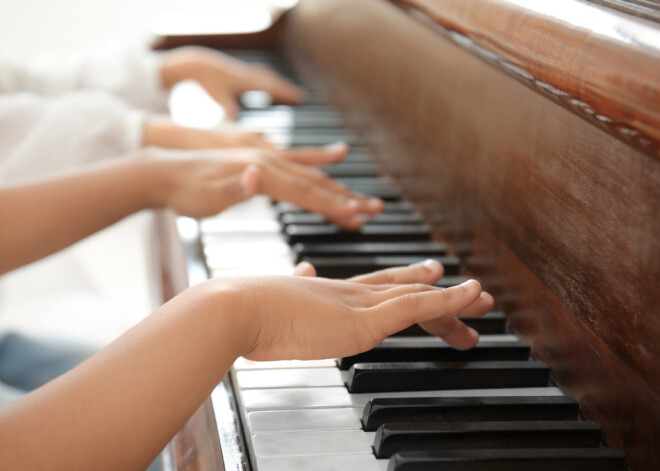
(358, 156)
(392, 438)
(346, 267)
(492, 323)
(296, 114)
(422, 249)
(352, 169)
(313, 140)
(380, 411)
(369, 233)
(390, 207)
(358, 185)
(383, 218)
(336, 134)
(384, 193)
(281, 128)
(428, 376)
(365, 181)
(417, 349)
(449, 281)
(546, 459)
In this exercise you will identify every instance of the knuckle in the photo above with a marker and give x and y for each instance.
(305, 186)
(411, 301)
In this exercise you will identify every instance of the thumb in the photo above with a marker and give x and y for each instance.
(304, 269)
(228, 102)
(330, 154)
(234, 189)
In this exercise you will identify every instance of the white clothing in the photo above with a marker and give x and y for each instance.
(57, 112)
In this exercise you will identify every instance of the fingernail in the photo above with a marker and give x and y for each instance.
(353, 203)
(432, 264)
(335, 147)
(374, 204)
(472, 285)
(356, 221)
(302, 266)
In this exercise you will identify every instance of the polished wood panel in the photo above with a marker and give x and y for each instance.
(196, 447)
(600, 64)
(612, 394)
(575, 205)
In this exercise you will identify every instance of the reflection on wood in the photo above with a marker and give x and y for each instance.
(601, 65)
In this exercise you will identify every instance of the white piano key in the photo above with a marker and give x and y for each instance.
(322, 463)
(245, 364)
(264, 247)
(331, 397)
(224, 226)
(290, 378)
(282, 267)
(436, 341)
(336, 442)
(257, 207)
(347, 418)
(219, 241)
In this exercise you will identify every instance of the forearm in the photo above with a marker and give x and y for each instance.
(45, 216)
(163, 132)
(121, 407)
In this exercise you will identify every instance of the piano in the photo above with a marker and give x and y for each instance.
(518, 143)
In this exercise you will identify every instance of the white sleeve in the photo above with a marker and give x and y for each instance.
(133, 73)
(43, 135)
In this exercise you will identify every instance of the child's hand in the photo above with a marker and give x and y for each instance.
(309, 318)
(203, 183)
(452, 330)
(226, 78)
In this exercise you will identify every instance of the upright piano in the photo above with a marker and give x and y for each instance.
(519, 143)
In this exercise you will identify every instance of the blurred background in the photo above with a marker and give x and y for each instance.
(99, 287)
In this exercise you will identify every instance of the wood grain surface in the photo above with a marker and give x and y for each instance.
(601, 64)
(574, 205)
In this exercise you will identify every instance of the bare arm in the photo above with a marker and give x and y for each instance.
(118, 409)
(47, 215)
(42, 217)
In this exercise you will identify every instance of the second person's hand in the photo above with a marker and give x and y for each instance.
(203, 183)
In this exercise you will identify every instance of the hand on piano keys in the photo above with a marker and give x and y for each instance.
(452, 330)
(225, 78)
(203, 183)
(114, 401)
(311, 318)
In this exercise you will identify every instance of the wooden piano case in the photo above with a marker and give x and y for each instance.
(530, 137)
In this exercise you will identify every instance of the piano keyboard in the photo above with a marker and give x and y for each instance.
(412, 403)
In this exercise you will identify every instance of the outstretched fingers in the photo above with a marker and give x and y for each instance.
(330, 154)
(368, 205)
(304, 269)
(263, 77)
(428, 271)
(337, 207)
(422, 304)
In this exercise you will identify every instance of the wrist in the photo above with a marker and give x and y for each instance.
(232, 313)
(155, 177)
(179, 65)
